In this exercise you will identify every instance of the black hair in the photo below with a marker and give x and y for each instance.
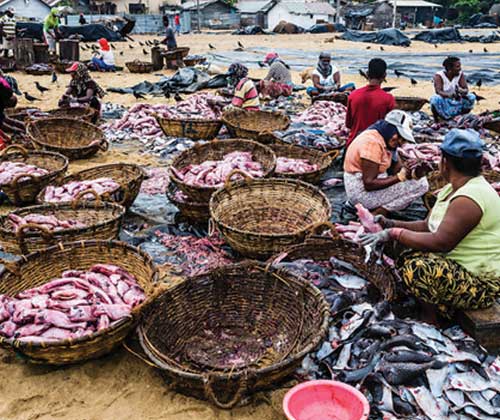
(166, 22)
(466, 166)
(449, 62)
(377, 68)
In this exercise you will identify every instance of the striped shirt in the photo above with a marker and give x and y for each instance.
(246, 96)
(8, 25)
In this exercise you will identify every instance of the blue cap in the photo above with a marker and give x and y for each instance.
(463, 144)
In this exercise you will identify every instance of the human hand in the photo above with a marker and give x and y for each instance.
(374, 239)
(383, 221)
(402, 174)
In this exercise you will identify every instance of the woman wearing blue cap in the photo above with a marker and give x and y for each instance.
(456, 258)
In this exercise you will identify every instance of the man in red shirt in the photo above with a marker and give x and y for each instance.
(369, 104)
(177, 23)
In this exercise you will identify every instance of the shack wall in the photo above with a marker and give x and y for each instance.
(34, 9)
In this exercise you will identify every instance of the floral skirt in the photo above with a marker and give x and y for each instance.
(449, 108)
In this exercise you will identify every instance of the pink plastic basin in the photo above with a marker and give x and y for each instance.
(325, 400)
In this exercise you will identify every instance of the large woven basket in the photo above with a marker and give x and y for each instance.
(40, 267)
(139, 66)
(255, 125)
(73, 138)
(21, 113)
(102, 221)
(338, 97)
(216, 150)
(262, 217)
(436, 182)
(190, 61)
(410, 104)
(323, 160)
(380, 274)
(128, 175)
(24, 191)
(195, 212)
(36, 71)
(192, 128)
(83, 113)
(272, 317)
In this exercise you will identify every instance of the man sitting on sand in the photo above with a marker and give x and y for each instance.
(452, 96)
(326, 77)
(278, 81)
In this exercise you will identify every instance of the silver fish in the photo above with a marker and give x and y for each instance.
(437, 378)
(344, 356)
(428, 404)
(386, 402)
(471, 381)
(456, 397)
(350, 281)
(482, 403)
(489, 394)
(427, 332)
(476, 413)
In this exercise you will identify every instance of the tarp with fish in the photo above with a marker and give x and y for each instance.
(385, 36)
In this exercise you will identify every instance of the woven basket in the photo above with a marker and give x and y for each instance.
(139, 67)
(80, 113)
(193, 61)
(436, 182)
(410, 104)
(74, 139)
(195, 212)
(255, 125)
(21, 192)
(242, 303)
(323, 160)
(261, 217)
(192, 128)
(338, 97)
(129, 177)
(216, 150)
(21, 113)
(381, 275)
(102, 221)
(178, 53)
(40, 267)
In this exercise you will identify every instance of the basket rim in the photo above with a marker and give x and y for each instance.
(323, 308)
(326, 161)
(303, 184)
(16, 344)
(171, 197)
(88, 205)
(191, 120)
(410, 98)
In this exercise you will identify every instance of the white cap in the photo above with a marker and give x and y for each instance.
(402, 121)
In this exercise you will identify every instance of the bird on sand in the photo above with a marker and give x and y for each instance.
(166, 93)
(141, 44)
(485, 50)
(177, 97)
(112, 46)
(83, 48)
(478, 97)
(240, 45)
(435, 46)
(144, 51)
(382, 49)
(54, 77)
(363, 74)
(413, 82)
(121, 52)
(368, 48)
(30, 98)
(389, 88)
(470, 51)
(138, 95)
(398, 73)
(41, 88)
(211, 47)
(131, 46)
(479, 83)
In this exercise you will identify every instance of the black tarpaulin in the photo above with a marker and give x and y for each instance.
(385, 36)
(249, 30)
(439, 36)
(29, 30)
(91, 32)
(322, 28)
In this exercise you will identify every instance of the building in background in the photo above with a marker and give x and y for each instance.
(28, 9)
(300, 13)
(255, 12)
(214, 14)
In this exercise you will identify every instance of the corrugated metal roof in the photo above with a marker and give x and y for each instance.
(312, 8)
(190, 5)
(414, 3)
(253, 6)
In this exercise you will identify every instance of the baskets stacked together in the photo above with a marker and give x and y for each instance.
(138, 66)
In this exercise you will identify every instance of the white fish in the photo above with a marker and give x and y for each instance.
(476, 413)
(350, 281)
(471, 381)
(437, 378)
(482, 403)
(351, 326)
(426, 332)
(456, 397)
(344, 356)
(489, 394)
(431, 407)
(386, 403)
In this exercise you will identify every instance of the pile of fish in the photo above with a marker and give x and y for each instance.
(294, 166)
(140, 123)
(330, 116)
(424, 124)
(157, 181)
(10, 170)
(77, 304)
(71, 190)
(316, 139)
(51, 222)
(39, 67)
(192, 255)
(213, 173)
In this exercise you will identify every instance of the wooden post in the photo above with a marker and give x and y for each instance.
(69, 50)
(23, 52)
(41, 53)
(156, 58)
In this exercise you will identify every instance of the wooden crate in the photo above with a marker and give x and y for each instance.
(483, 325)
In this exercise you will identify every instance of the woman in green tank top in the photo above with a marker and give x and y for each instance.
(455, 257)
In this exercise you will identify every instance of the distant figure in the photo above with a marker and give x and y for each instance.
(177, 22)
(10, 125)
(452, 96)
(369, 104)
(437, 21)
(104, 59)
(82, 19)
(278, 81)
(50, 28)
(245, 94)
(326, 77)
(169, 35)
(8, 24)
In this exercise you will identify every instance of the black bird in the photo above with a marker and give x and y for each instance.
(478, 97)
(144, 51)
(87, 46)
(30, 98)
(382, 49)
(131, 46)
(141, 44)
(485, 50)
(41, 88)
(368, 48)
(240, 45)
(363, 74)
(413, 82)
(130, 38)
(54, 77)
(435, 46)
(398, 73)
(177, 97)
(261, 64)
(211, 47)
(94, 47)
(470, 51)
(166, 93)
(138, 95)
(83, 48)
(121, 52)
(388, 89)
(479, 83)
(148, 43)
(112, 47)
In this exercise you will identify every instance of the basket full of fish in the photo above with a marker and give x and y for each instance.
(255, 125)
(302, 163)
(23, 174)
(35, 228)
(199, 171)
(39, 69)
(138, 66)
(73, 138)
(193, 211)
(216, 336)
(410, 103)
(74, 301)
(261, 217)
(116, 182)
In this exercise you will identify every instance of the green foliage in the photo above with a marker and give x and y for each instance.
(230, 2)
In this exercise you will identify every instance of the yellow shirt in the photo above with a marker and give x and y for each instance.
(479, 251)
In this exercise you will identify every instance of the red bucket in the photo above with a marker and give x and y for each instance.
(325, 400)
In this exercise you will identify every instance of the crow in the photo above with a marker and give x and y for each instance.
(138, 95)
(30, 98)
(479, 83)
(121, 52)
(54, 77)
(112, 46)
(166, 93)
(363, 74)
(131, 46)
(398, 73)
(368, 48)
(388, 89)
(413, 82)
(87, 46)
(470, 51)
(177, 97)
(478, 97)
(382, 49)
(83, 48)
(261, 64)
(144, 51)
(211, 47)
(485, 50)
(240, 45)
(141, 44)
(41, 88)
(130, 38)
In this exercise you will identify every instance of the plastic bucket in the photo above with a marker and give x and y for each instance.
(325, 400)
